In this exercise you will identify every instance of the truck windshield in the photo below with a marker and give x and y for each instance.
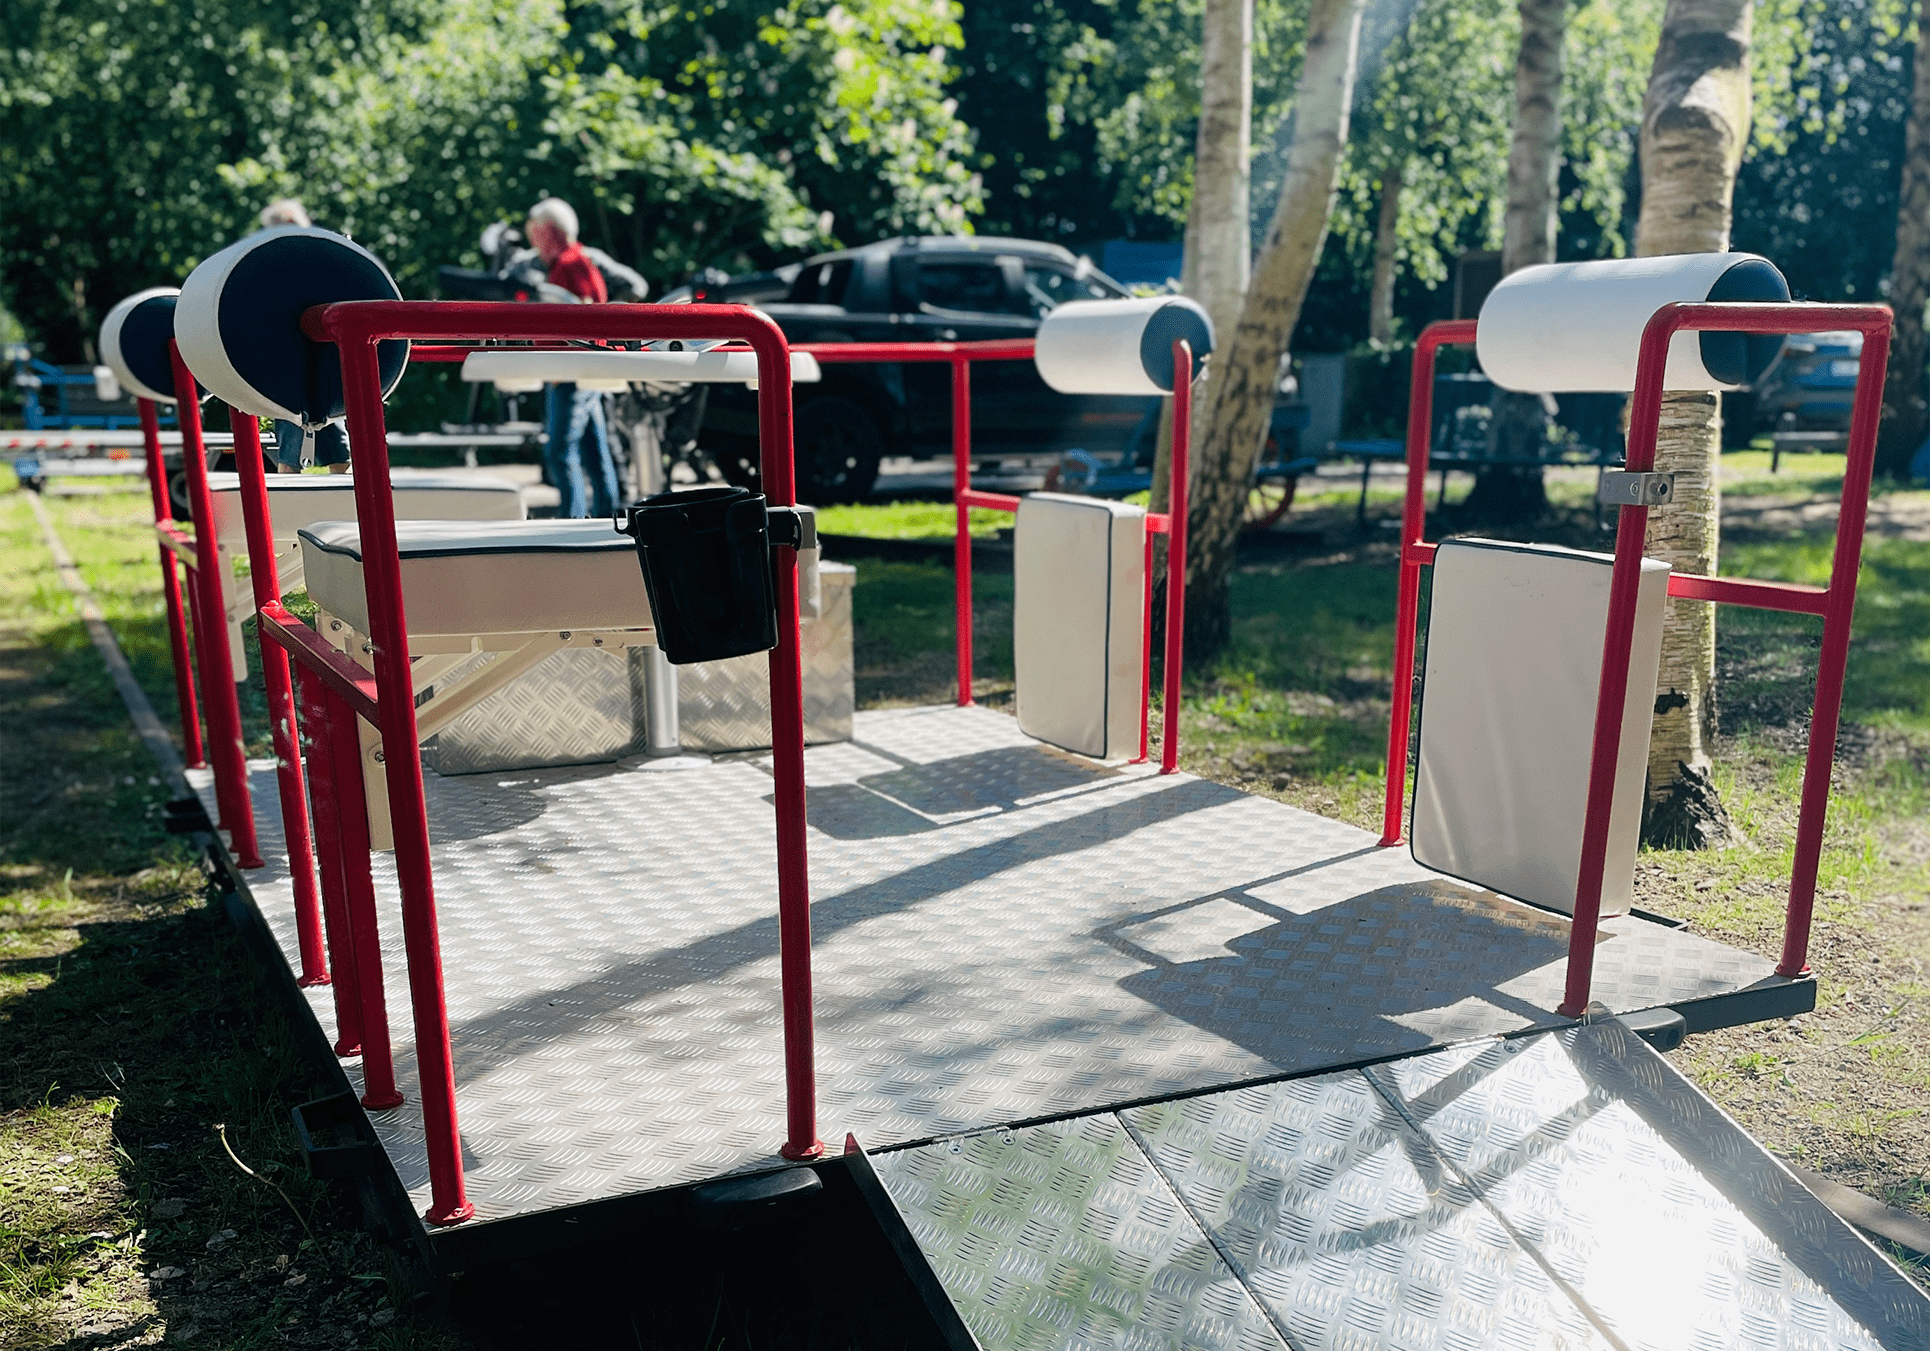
(1047, 288)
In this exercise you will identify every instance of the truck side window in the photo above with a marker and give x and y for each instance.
(1047, 288)
(975, 287)
(821, 285)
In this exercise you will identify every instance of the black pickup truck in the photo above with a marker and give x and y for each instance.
(937, 289)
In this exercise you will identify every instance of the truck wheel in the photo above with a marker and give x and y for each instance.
(839, 448)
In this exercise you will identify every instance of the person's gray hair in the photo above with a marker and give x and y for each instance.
(284, 211)
(557, 212)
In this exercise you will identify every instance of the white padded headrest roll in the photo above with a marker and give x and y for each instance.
(239, 317)
(1572, 328)
(528, 370)
(134, 343)
(1119, 346)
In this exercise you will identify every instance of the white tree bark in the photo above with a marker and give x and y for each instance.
(1380, 298)
(1219, 230)
(1534, 153)
(1695, 125)
(1518, 427)
(1239, 394)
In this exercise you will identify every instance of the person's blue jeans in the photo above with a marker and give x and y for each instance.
(574, 416)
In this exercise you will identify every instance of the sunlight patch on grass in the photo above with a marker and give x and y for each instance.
(907, 520)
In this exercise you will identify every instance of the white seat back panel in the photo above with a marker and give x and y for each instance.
(1514, 659)
(1079, 579)
(296, 500)
(487, 577)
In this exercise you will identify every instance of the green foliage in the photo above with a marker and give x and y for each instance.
(1441, 106)
(144, 135)
(731, 135)
(1818, 192)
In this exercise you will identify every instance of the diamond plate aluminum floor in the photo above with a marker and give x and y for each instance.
(1002, 933)
(1564, 1190)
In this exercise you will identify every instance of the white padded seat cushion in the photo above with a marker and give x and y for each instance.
(1514, 660)
(1079, 566)
(487, 577)
(297, 500)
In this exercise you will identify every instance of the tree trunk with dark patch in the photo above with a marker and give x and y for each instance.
(1695, 124)
(1518, 423)
(1238, 393)
(1387, 238)
(1906, 414)
(1219, 229)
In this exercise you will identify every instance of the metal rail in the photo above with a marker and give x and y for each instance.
(960, 356)
(334, 692)
(1835, 603)
(225, 754)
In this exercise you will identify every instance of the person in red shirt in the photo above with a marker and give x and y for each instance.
(574, 414)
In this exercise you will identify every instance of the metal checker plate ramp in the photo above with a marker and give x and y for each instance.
(1565, 1190)
(1002, 933)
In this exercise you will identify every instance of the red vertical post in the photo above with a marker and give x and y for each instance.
(258, 525)
(962, 541)
(364, 936)
(1146, 659)
(1176, 552)
(402, 763)
(1631, 535)
(157, 484)
(778, 470)
(225, 751)
(1420, 438)
(1834, 657)
(324, 775)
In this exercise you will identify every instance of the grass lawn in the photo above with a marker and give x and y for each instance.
(131, 1023)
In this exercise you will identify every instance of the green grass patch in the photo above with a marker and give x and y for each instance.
(908, 520)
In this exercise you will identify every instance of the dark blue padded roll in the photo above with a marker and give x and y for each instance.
(239, 322)
(134, 343)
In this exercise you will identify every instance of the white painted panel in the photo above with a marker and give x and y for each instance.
(1514, 653)
(1077, 618)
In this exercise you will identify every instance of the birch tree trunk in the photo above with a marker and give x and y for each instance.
(1519, 423)
(1906, 418)
(1380, 299)
(1219, 230)
(1245, 369)
(1695, 125)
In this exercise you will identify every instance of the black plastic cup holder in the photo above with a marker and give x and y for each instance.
(706, 559)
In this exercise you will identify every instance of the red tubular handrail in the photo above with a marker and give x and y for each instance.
(285, 732)
(157, 483)
(1176, 523)
(960, 355)
(356, 328)
(345, 988)
(1420, 419)
(225, 753)
(1836, 603)
(963, 499)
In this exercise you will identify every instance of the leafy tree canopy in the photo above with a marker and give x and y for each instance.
(143, 135)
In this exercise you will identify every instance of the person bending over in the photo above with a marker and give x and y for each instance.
(574, 415)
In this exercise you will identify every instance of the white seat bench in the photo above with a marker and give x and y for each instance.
(522, 590)
(299, 500)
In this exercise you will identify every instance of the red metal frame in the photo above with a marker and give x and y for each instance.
(157, 484)
(226, 756)
(335, 691)
(1836, 603)
(960, 356)
(283, 729)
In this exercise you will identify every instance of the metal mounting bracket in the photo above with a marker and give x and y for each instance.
(1619, 488)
